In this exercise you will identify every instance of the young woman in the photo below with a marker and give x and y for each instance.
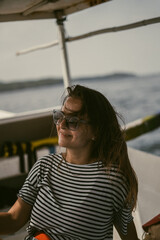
(84, 192)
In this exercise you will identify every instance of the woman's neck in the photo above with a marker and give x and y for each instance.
(79, 158)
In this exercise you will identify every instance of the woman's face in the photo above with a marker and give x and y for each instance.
(82, 137)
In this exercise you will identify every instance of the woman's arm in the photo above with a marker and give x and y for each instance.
(131, 232)
(15, 218)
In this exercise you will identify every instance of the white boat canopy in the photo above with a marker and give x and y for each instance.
(17, 10)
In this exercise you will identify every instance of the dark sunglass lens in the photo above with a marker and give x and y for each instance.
(73, 123)
(57, 117)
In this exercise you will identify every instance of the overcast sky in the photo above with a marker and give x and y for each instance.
(136, 51)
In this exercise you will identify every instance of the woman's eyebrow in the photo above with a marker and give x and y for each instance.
(70, 112)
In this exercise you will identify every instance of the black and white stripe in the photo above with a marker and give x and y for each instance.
(75, 202)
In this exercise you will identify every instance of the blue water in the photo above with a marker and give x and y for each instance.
(133, 97)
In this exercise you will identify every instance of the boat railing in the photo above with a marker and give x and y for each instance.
(29, 148)
(142, 126)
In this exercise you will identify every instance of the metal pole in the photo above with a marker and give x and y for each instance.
(64, 57)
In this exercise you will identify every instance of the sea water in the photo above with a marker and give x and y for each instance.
(133, 97)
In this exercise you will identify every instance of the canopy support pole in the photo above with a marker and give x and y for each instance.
(63, 49)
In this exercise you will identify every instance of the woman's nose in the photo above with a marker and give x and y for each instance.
(63, 123)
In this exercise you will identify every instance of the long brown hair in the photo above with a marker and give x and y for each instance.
(109, 146)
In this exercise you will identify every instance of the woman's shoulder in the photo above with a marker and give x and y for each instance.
(50, 159)
(116, 174)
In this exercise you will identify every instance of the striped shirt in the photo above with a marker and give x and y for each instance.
(75, 202)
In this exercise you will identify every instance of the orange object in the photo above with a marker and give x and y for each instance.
(42, 236)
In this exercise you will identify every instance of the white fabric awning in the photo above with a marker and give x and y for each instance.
(17, 10)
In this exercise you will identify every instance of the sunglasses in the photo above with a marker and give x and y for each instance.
(72, 122)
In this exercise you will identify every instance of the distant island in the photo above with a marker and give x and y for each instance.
(17, 85)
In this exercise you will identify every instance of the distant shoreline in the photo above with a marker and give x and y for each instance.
(17, 85)
(12, 86)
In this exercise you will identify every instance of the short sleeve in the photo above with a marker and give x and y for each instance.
(29, 190)
(122, 210)
(122, 218)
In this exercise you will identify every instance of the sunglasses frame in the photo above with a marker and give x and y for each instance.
(67, 119)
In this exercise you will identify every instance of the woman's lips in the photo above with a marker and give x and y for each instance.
(65, 134)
